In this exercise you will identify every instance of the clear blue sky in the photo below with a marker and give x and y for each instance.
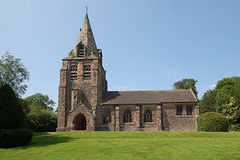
(147, 44)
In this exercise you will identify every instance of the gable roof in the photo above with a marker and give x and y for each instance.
(149, 97)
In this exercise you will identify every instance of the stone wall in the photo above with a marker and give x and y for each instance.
(137, 123)
(75, 95)
(174, 122)
(164, 118)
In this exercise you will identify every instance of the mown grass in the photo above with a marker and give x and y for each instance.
(129, 145)
(36, 134)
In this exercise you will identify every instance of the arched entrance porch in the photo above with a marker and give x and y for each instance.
(80, 122)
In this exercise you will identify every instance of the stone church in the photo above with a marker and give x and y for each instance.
(85, 103)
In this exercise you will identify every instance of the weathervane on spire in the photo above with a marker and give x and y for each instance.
(86, 10)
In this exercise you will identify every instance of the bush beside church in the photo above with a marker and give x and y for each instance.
(11, 120)
(212, 121)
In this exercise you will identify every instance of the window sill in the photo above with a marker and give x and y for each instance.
(149, 123)
(128, 123)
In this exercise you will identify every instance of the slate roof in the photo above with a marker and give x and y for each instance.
(149, 97)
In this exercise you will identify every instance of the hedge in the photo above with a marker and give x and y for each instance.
(15, 137)
(42, 120)
(11, 113)
(212, 121)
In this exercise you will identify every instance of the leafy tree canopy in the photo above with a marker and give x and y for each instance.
(41, 101)
(231, 88)
(207, 104)
(13, 72)
(231, 111)
(40, 114)
(216, 99)
(186, 84)
(227, 82)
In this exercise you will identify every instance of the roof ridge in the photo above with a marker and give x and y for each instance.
(149, 97)
(193, 94)
(153, 90)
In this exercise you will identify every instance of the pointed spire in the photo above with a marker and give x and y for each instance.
(86, 10)
(86, 36)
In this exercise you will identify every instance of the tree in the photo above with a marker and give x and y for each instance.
(208, 102)
(41, 101)
(186, 84)
(227, 82)
(227, 88)
(13, 72)
(232, 111)
(216, 99)
(40, 114)
(11, 113)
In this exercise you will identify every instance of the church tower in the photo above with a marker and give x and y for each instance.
(82, 84)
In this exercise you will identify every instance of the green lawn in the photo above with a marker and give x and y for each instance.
(36, 134)
(129, 145)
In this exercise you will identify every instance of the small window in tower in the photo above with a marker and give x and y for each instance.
(80, 50)
(87, 72)
(73, 72)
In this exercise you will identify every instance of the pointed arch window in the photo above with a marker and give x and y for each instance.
(127, 116)
(80, 50)
(73, 72)
(148, 116)
(107, 117)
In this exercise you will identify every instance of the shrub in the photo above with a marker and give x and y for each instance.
(212, 121)
(236, 127)
(11, 113)
(42, 120)
(15, 137)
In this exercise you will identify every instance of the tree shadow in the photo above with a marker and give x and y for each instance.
(46, 141)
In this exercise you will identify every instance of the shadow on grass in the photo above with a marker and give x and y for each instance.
(38, 134)
(46, 141)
